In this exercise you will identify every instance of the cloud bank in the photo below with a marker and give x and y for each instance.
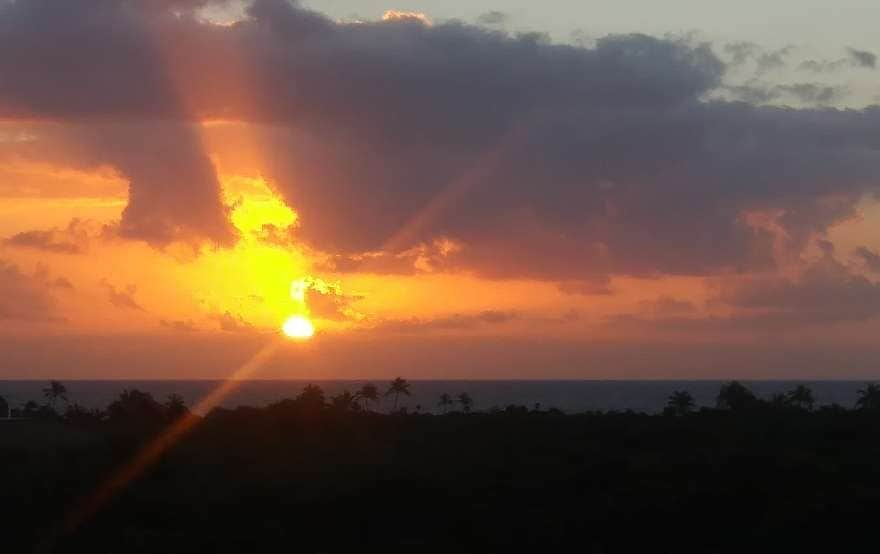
(541, 160)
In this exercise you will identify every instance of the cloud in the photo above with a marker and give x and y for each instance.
(854, 58)
(667, 306)
(328, 301)
(862, 58)
(122, 298)
(27, 297)
(232, 323)
(73, 239)
(764, 61)
(812, 93)
(406, 17)
(870, 258)
(421, 258)
(600, 286)
(540, 160)
(186, 326)
(493, 17)
(454, 322)
(827, 291)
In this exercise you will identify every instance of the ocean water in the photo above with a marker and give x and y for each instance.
(568, 396)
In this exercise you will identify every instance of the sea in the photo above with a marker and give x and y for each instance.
(568, 396)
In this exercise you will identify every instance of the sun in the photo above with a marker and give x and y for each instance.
(298, 327)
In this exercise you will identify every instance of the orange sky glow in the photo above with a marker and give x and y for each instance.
(98, 284)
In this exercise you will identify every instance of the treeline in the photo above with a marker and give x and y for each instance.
(138, 406)
(330, 473)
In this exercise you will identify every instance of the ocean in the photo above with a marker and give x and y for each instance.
(568, 396)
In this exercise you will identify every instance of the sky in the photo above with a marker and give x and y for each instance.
(469, 190)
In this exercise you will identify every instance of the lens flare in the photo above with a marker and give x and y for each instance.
(298, 327)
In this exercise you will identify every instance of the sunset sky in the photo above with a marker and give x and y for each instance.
(445, 189)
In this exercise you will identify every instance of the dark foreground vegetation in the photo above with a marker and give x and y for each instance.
(330, 475)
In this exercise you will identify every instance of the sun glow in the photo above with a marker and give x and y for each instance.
(298, 327)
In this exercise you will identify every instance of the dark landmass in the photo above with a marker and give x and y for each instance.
(307, 475)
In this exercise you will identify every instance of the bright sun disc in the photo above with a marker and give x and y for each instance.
(298, 327)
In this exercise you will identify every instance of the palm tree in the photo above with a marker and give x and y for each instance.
(55, 391)
(343, 402)
(445, 402)
(5, 412)
(466, 402)
(136, 407)
(176, 407)
(735, 396)
(869, 397)
(801, 397)
(311, 398)
(397, 387)
(679, 403)
(368, 393)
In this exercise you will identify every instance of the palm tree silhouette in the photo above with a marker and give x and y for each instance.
(55, 391)
(368, 393)
(343, 402)
(175, 406)
(5, 412)
(466, 402)
(679, 403)
(735, 396)
(397, 387)
(869, 397)
(801, 397)
(311, 398)
(445, 402)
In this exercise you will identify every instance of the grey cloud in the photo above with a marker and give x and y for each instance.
(493, 17)
(667, 306)
(73, 239)
(863, 58)
(765, 61)
(813, 93)
(186, 326)
(27, 297)
(598, 286)
(804, 93)
(330, 303)
(855, 58)
(542, 160)
(232, 323)
(122, 298)
(826, 292)
(741, 52)
(870, 258)
(454, 322)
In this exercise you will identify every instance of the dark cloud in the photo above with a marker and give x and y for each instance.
(493, 17)
(862, 58)
(667, 306)
(812, 93)
(855, 58)
(803, 93)
(454, 322)
(328, 301)
(73, 239)
(421, 258)
(122, 298)
(765, 61)
(599, 286)
(541, 160)
(232, 323)
(27, 297)
(826, 292)
(186, 326)
(740, 52)
(870, 258)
